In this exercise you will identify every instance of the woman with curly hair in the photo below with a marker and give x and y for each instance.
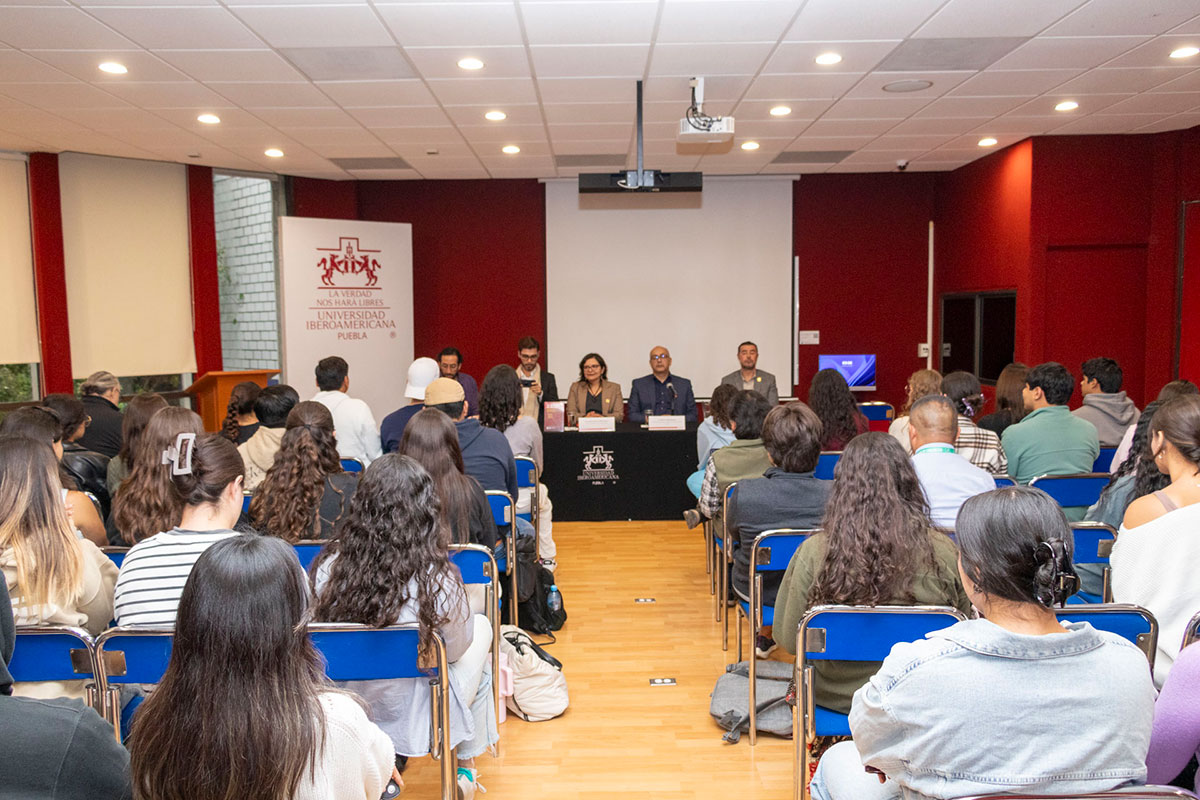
(240, 423)
(920, 383)
(390, 564)
(138, 412)
(829, 396)
(306, 492)
(978, 445)
(877, 547)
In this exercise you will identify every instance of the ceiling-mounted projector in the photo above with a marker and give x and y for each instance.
(696, 127)
(642, 179)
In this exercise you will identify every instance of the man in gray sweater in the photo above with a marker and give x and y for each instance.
(1104, 404)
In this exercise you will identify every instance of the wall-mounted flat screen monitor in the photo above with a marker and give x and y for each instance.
(859, 371)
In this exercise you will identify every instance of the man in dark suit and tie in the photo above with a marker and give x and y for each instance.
(537, 385)
(660, 392)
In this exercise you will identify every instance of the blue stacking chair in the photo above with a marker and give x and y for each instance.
(848, 633)
(115, 554)
(477, 565)
(55, 653)
(877, 410)
(1127, 793)
(722, 546)
(352, 465)
(1093, 545)
(1130, 622)
(504, 512)
(527, 477)
(1003, 480)
(1192, 634)
(129, 654)
(307, 550)
(353, 652)
(1070, 491)
(1103, 462)
(246, 498)
(826, 463)
(772, 552)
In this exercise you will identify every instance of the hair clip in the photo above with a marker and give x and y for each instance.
(179, 455)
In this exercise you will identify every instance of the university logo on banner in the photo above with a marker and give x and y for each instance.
(350, 305)
(598, 466)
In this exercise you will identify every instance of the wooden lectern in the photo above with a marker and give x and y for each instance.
(210, 393)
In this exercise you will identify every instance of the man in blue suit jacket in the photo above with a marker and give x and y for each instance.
(661, 392)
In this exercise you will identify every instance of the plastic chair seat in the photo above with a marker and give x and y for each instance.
(830, 723)
(768, 614)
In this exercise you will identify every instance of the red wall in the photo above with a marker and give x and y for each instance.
(862, 242)
(1187, 186)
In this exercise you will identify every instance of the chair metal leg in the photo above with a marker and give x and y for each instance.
(806, 735)
(738, 624)
(754, 619)
(708, 559)
(493, 600)
(512, 571)
(797, 738)
(724, 603)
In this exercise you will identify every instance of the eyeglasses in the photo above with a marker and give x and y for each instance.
(528, 356)
(662, 357)
(586, 367)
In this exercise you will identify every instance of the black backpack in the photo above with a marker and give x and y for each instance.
(533, 611)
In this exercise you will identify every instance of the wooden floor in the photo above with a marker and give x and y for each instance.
(622, 737)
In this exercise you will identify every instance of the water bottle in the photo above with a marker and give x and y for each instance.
(554, 599)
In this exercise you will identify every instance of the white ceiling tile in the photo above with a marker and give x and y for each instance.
(559, 113)
(517, 173)
(844, 20)
(1159, 103)
(1088, 104)
(906, 144)
(858, 57)
(1101, 81)
(947, 107)
(497, 160)
(272, 95)
(482, 91)
(316, 26)
(771, 128)
(36, 122)
(367, 94)
(315, 138)
(232, 65)
(920, 126)
(502, 133)
(1015, 126)
(442, 62)
(479, 173)
(882, 158)
(1106, 123)
(609, 22)
(48, 28)
(167, 28)
(872, 85)
(871, 108)
(724, 20)
(184, 94)
(800, 87)
(117, 119)
(62, 95)
(400, 116)
(1155, 53)
(692, 61)
(85, 65)
(230, 118)
(574, 61)
(760, 109)
(971, 18)
(450, 159)
(1173, 123)
(794, 169)
(820, 142)
(443, 24)
(588, 90)
(430, 135)
(20, 144)
(352, 150)
(284, 118)
(1115, 17)
(970, 143)
(386, 174)
(592, 147)
(517, 115)
(15, 66)
(1190, 82)
(1191, 26)
(574, 132)
(678, 87)
(1074, 52)
(850, 127)
(1015, 82)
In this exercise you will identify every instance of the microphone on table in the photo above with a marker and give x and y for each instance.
(674, 395)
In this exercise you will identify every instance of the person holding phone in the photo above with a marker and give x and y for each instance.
(537, 385)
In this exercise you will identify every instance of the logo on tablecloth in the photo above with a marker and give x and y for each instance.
(598, 465)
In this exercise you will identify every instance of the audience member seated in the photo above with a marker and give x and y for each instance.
(749, 377)
(1006, 703)
(243, 709)
(712, 433)
(390, 565)
(920, 383)
(537, 385)
(100, 393)
(829, 395)
(306, 493)
(206, 482)
(421, 373)
(486, 454)
(978, 445)
(450, 366)
(54, 748)
(946, 477)
(501, 407)
(1155, 556)
(1169, 390)
(146, 503)
(42, 426)
(1175, 740)
(660, 392)
(54, 577)
(431, 440)
(240, 423)
(594, 395)
(87, 469)
(1010, 399)
(745, 458)
(357, 434)
(272, 407)
(877, 548)
(1050, 440)
(1104, 404)
(788, 495)
(138, 411)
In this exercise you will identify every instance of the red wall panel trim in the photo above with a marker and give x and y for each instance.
(206, 290)
(49, 272)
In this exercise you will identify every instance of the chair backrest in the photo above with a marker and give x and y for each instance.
(353, 652)
(866, 633)
(475, 562)
(1093, 542)
(306, 551)
(527, 472)
(1130, 622)
(52, 653)
(1127, 793)
(503, 507)
(877, 410)
(826, 463)
(246, 498)
(773, 549)
(115, 554)
(1103, 462)
(1073, 490)
(133, 654)
(1003, 480)
(1192, 634)
(352, 465)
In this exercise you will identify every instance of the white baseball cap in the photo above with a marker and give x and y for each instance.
(421, 373)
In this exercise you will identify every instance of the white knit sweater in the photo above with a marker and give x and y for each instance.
(358, 757)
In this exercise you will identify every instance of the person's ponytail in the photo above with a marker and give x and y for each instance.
(1054, 578)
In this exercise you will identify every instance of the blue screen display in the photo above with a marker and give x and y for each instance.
(859, 371)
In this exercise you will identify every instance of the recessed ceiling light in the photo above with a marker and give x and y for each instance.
(1066, 105)
(470, 63)
(826, 59)
(495, 116)
(208, 119)
(511, 149)
(749, 145)
(113, 68)
(1185, 52)
(987, 141)
(780, 111)
(914, 85)
(273, 152)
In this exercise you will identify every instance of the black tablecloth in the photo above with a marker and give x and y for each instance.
(633, 473)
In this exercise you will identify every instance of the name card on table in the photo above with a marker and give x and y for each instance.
(667, 422)
(597, 424)
(555, 415)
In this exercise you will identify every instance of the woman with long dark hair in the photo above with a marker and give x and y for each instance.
(978, 445)
(243, 710)
(390, 564)
(138, 412)
(829, 396)
(431, 440)
(1010, 403)
(920, 383)
(240, 422)
(306, 492)
(952, 715)
(877, 547)
(84, 469)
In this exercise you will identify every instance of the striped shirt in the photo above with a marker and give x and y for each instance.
(153, 574)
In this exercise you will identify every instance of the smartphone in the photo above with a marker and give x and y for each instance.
(526, 382)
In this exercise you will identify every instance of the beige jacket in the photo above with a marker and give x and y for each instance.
(610, 397)
(258, 455)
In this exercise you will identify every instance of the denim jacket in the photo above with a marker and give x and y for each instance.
(975, 709)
